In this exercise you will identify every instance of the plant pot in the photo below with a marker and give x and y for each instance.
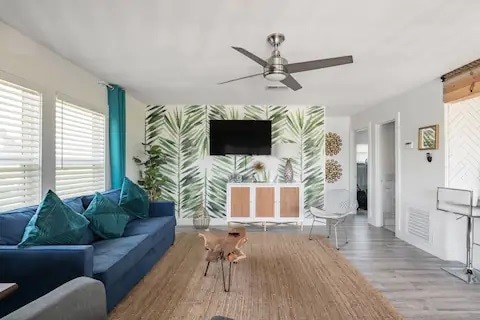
(201, 219)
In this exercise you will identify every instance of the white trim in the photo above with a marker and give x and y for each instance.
(398, 177)
(377, 182)
(376, 186)
(371, 186)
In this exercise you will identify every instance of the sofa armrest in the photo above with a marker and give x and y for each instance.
(40, 269)
(162, 209)
(82, 298)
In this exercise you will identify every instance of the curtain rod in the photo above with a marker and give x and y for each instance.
(103, 83)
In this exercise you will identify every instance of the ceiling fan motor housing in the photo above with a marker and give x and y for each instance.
(275, 69)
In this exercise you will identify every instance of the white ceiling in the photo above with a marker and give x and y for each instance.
(175, 51)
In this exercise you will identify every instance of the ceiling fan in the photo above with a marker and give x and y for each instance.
(277, 68)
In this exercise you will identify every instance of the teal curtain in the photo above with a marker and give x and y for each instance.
(116, 121)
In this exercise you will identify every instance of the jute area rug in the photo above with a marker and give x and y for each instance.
(285, 276)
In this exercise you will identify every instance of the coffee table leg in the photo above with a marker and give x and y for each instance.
(227, 289)
(206, 269)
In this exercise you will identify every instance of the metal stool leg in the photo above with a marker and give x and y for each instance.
(206, 269)
(311, 228)
(225, 288)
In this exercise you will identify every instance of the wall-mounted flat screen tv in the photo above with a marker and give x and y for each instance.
(240, 137)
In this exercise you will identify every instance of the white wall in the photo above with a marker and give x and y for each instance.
(135, 132)
(341, 126)
(418, 179)
(361, 137)
(30, 64)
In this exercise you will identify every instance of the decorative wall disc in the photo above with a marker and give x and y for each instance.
(333, 171)
(333, 144)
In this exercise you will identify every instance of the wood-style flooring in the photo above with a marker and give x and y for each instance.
(409, 277)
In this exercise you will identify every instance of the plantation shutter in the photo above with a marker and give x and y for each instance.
(20, 110)
(80, 150)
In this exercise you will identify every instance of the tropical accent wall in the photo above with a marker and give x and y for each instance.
(193, 177)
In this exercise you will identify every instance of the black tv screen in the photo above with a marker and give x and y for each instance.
(252, 137)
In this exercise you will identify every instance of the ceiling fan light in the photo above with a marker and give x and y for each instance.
(275, 76)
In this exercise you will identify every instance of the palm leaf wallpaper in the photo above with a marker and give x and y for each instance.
(193, 177)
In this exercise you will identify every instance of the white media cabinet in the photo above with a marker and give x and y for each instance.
(274, 203)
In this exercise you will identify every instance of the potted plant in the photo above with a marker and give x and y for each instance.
(151, 178)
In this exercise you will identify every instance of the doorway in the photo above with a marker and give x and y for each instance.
(361, 160)
(387, 174)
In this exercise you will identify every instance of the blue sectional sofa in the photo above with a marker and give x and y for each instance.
(119, 263)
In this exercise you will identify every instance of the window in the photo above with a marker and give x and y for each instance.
(20, 110)
(80, 150)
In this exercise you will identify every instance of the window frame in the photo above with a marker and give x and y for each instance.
(26, 87)
(85, 107)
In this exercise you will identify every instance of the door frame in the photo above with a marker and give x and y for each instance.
(353, 164)
(377, 189)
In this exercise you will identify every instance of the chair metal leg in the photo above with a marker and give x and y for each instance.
(336, 239)
(311, 228)
(345, 230)
(329, 223)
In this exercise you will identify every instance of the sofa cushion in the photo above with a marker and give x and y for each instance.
(13, 223)
(54, 223)
(134, 199)
(107, 219)
(75, 203)
(114, 257)
(113, 195)
(155, 228)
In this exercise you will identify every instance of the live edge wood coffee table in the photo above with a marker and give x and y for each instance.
(224, 246)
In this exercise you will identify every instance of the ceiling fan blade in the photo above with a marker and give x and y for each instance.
(318, 64)
(258, 60)
(290, 82)
(250, 76)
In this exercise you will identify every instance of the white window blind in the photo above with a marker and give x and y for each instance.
(80, 150)
(20, 110)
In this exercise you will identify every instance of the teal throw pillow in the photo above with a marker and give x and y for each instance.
(134, 199)
(107, 219)
(54, 223)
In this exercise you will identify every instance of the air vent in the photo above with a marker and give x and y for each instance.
(419, 223)
(275, 87)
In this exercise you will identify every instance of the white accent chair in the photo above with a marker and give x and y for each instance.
(339, 207)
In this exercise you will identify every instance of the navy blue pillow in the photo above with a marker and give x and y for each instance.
(13, 223)
(75, 203)
(113, 195)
